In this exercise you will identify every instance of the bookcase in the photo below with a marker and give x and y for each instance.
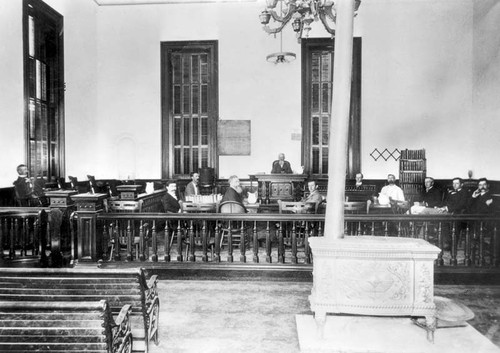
(412, 172)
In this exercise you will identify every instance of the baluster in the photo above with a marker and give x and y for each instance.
(168, 236)
(268, 244)
(154, 244)
(373, 228)
(218, 227)
(13, 231)
(495, 243)
(106, 239)
(467, 250)
(359, 231)
(346, 230)
(118, 230)
(473, 241)
(440, 260)
(426, 231)
(386, 229)
(243, 257)
(23, 236)
(281, 244)
(294, 242)
(320, 228)
(204, 241)
(482, 260)
(412, 229)
(229, 242)
(399, 229)
(141, 256)
(130, 241)
(307, 249)
(191, 245)
(255, 243)
(32, 239)
(2, 234)
(179, 241)
(453, 260)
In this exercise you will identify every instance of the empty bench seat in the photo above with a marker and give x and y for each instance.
(118, 287)
(63, 327)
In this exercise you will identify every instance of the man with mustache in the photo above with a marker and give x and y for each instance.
(482, 200)
(391, 192)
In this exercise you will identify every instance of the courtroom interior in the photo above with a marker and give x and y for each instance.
(166, 141)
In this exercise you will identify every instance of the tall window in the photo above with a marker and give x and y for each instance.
(317, 81)
(43, 89)
(189, 107)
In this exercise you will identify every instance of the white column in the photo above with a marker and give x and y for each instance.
(339, 127)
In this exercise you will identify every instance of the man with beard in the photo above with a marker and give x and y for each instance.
(234, 192)
(391, 192)
(281, 166)
(24, 188)
(482, 200)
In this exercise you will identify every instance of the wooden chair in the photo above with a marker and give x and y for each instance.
(231, 207)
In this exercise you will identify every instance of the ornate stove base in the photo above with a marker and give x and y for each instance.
(379, 276)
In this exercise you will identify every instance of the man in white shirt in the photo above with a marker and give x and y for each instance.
(192, 187)
(391, 192)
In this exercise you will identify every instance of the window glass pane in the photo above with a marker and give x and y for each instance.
(325, 94)
(31, 36)
(43, 82)
(326, 66)
(196, 141)
(204, 157)
(177, 160)
(177, 100)
(38, 80)
(315, 160)
(315, 67)
(177, 131)
(187, 132)
(176, 68)
(186, 161)
(204, 131)
(195, 68)
(186, 74)
(324, 160)
(204, 99)
(32, 115)
(315, 130)
(324, 130)
(32, 77)
(315, 98)
(185, 99)
(196, 99)
(204, 68)
(195, 159)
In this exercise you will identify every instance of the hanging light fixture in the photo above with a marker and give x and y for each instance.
(302, 13)
(281, 57)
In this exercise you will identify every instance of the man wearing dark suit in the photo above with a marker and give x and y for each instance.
(24, 188)
(456, 199)
(234, 192)
(431, 197)
(170, 201)
(281, 166)
(481, 202)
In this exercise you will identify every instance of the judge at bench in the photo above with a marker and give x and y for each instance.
(281, 166)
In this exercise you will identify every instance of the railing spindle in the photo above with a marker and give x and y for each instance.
(178, 233)
(204, 241)
(440, 260)
(495, 251)
(154, 244)
(192, 257)
(229, 242)
(294, 243)
(281, 244)
(218, 227)
(268, 244)
(482, 260)
(243, 257)
(467, 248)
(453, 260)
(307, 249)
(255, 243)
(168, 236)
(13, 231)
(141, 255)
(130, 241)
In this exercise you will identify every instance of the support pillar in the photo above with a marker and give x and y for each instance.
(339, 128)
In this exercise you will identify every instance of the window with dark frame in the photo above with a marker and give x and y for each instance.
(189, 107)
(317, 80)
(43, 89)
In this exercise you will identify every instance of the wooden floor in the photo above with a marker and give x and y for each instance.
(259, 316)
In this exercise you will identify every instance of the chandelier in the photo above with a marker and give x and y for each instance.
(302, 13)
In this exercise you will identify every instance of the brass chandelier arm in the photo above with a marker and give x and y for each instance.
(323, 19)
(288, 14)
(277, 29)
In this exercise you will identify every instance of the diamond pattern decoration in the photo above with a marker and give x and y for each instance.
(385, 154)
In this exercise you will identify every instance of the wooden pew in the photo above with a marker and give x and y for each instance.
(63, 327)
(118, 287)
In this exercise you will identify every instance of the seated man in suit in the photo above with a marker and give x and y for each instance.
(281, 166)
(430, 199)
(170, 200)
(24, 188)
(234, 192)
(314, 198)
(481, 202)
(192, 188)
(456, 199)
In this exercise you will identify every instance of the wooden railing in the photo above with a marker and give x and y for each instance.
(466, 240)
(23, 233)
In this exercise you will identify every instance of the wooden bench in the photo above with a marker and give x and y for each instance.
(117, 286)
(63, 327)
